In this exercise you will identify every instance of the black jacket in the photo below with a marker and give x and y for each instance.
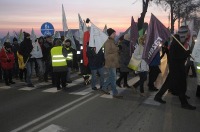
(25, 49)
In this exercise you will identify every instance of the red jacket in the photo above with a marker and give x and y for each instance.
(5, 65)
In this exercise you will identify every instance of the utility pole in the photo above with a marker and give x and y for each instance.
(172, 14)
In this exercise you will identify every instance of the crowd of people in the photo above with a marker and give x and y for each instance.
(55, 59)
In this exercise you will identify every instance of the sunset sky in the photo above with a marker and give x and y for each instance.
(26, 14)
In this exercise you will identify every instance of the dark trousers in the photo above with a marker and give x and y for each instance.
(49, 71)
(143, 78)
(22, 73)
(164, 88)
(60, 77)
(153, 74)
(16, 69)
(123, 75)
(190, 64)
(7, 75)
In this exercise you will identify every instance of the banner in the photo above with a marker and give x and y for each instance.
(156, 35)
(97, 37)
(33, 36)
(86, 38)
(70, 36)
(81, 29)
(64, 21)
(191, 28)
(133, 36)
(196, 49)
(105, 29)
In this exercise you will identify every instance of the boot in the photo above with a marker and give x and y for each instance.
(127, 86)
(118, 84)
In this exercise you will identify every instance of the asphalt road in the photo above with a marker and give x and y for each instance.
(80, 109)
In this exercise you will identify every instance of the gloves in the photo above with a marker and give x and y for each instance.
(120, 47)
(188, 52)
(8, 60)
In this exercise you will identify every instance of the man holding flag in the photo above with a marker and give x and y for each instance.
(156, 35)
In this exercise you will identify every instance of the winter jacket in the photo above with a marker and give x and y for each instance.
(111, 54)
(25, 49)
(125, 56)
(138, 55)
(15, 48)
(37, 51)
(4, 57)
(96, 60)
(156, 60)
(47, 51)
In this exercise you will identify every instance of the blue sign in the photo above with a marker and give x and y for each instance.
(47, 29)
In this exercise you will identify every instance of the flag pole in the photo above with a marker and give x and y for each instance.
(181, 45)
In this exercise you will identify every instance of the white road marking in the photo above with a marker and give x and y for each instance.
(51, 90)
(27, 88)
(55, 111)
(5, 87)
(61, 114)
(53, 128)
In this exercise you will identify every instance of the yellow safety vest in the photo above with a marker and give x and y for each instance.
(70, 55)
(198, 68)
(57, 57)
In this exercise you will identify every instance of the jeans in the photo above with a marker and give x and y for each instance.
(41, 68)
(111, 80)
(93, 79)
(29, 67)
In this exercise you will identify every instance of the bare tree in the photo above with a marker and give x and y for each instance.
(145, 4)
(179, 9)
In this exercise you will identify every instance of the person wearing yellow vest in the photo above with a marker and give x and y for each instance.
(59, 64)
(67, 45)
(198, 78)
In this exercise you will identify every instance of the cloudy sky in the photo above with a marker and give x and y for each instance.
(28, 14)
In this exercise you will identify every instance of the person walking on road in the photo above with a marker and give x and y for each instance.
(59, 64)
(96, 63)
(177, 75)
(124, 61)
(143, 68)
(26, 48)
(7, 62)
(111, 63)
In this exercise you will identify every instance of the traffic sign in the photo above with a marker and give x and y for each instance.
(47, 29)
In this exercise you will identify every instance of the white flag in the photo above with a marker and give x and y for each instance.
(105, 29)
(57, 34)
(81, 29)
(33, 36)
(196, 49)
(70, 36)
(7, 37)
(97, 38)
(191, 27)
(64, 21)
(20, 37)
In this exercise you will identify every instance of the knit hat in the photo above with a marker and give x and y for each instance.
(127, 37)
(7, 45)
(14, 39)
(26, 34)
(58, 42)
(110, 31)
(184, 33)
